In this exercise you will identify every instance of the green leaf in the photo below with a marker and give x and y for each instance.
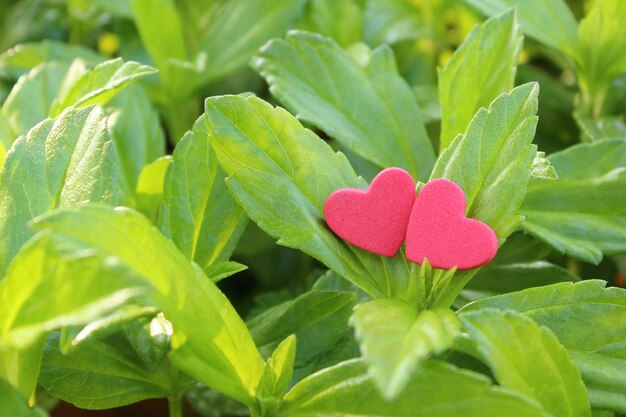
(281, 174)
(590, 321)
(391, 21)
(158, 23)
(40, 270)
(317, 318)
(98, 375)
(495, 279)
(582, 215)
(436, 389)
(602, 36)
(355, 105)
(395, 338)
(341, 20)
(149, 193)
(481, 69)
(83, 87)
(150, 338)
(276, 377)
(549, 21)
(61, 162)
(31, 97)
(601, 127)
(542, 169)
(239, 29)
(529, 359)
(210, 341)
(198, 212)
(136, 131)
(13, 404)
(20, 367)
(24, 57)
(491, 161)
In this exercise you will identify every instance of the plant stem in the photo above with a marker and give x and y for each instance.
(175, 406)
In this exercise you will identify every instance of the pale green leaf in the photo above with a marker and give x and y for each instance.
(548, 21)
(602, 35)
(98, 375)
(198, 212)
(436, 389)
(61, 162)
(161, 31)
(590, 321)
(98, 85)
(24, 57)
(341, 20)
(542, 168)
(370, 110)
(31, 97)
(39, 270)
(149, 193)
(583, 214)
(529, 359)
(136, 131)
(276, 377)
(481, 69)
(20, 367)
(281, 174)
(13, 404)
(491, 161)
(395, 338)
(210, 341)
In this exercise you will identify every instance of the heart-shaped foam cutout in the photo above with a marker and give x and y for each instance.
(439, 231)
(374, 219)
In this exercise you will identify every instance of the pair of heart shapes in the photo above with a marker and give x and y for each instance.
(433, 224)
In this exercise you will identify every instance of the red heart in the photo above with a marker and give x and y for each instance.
(374, 219)
(439, 231)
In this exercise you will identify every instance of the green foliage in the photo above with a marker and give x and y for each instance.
(582, 214)
(61, 162)
(481, 69)
(346, 389)
(125, 194)
(355, 105)
(529, 359)
(595, 342)
(394, 339)
(198, 213)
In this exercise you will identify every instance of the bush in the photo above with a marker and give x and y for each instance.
(139, 220)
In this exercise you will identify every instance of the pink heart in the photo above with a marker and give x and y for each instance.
(439, 231)
(374, 219)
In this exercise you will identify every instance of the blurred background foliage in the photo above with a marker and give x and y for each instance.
(203, 48)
